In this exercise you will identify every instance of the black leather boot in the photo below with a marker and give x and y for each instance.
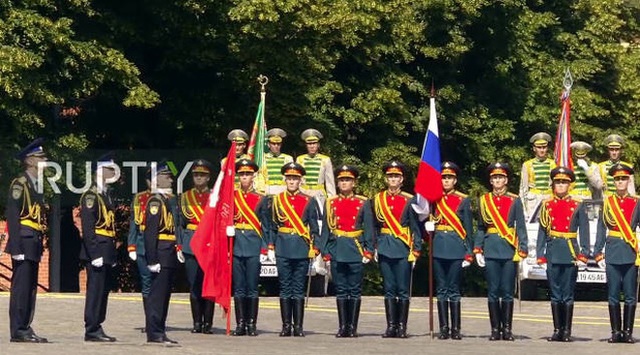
(402, 315)
(353, 317)
(455, 320)
(196, 314)
(556, 313)
(251, 312)
(208, 309)
(568, 321)
(629, 315)
(342, 317)
(298, 317)
(443, 319)
(616, 324)
(285, 314)
(241, 321)
(494, 320)
(507, 319)
(390, 313)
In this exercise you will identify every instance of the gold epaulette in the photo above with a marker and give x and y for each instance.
(578, 200)
(406, 194)
(458, 193)
(362, 197)
(21, 179)
(512, 195)
(332, 198)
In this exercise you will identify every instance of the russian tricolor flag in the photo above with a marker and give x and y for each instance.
(429, 181)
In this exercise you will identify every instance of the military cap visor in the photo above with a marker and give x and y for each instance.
(347, 171)
(580, 149)
(246, 166)
(614, 141)
(449, 169)
(238, 136)
(499, 169)
(33, 149)
(562, 174)
(540, 139)
(394, 168)
(201, 166)
(311, 135)
(275, 135)
(293, 169)
(621, 170)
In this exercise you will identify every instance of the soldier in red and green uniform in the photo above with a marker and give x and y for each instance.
(399, 242)
(274, 160)
(347, 244)
(135, 239)
(559, 250)
(616, 228)
(500, 242)
(295, 232)
(192, 205)
(534, 177)
(252, 235)
(452, 244)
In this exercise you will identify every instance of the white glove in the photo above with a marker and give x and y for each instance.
(583, 164)
(581, 265)
(231, 231)
(429, 226)
(365, 260)
(544, 266)
(133, 255)
(375, 255)
(155, 268)
(602, 264)
(97, 262)
(317, 265)
(413, 264)
(465, 264)
(263, 258)
(480, 260)
(180, 256)
(18, 257)
(271, 255)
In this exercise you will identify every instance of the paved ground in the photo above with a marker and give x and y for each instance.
(59, 318)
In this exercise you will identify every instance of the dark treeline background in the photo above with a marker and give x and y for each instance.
(92, 75)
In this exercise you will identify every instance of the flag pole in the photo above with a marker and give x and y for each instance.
(230, 261)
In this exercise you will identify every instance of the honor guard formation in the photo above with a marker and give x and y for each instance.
(301, 212)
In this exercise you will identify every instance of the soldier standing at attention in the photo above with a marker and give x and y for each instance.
(192, 205)
(560, 219)
(161, 254)
(319, 178)
(501, 241)
(616, 227)
(534, 178)
(274, 161)
(588, 182)
(399, 242)
(347, 242)
(295, 233)
(26, 224)
(240, 137)
(97, 213)
(452, 246)
(251, 220)
(135, 239)
(615, 146)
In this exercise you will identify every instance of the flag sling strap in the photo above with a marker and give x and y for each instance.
(194, 206)
(247, 213)
(623, 224)
(505, 232)
(293, 217)
(396, 228)
(452, 219)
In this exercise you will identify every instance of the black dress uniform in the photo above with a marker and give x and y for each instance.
(192, 205)
(347, 241)
(618, 222)
(26, 224)
(295, 231)
(398, 243)
(557, 246)
(160, 248)
(452, 244)
(251, 219)
(502, 241)
(99, 253)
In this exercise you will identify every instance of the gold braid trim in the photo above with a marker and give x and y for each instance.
(184, 206)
